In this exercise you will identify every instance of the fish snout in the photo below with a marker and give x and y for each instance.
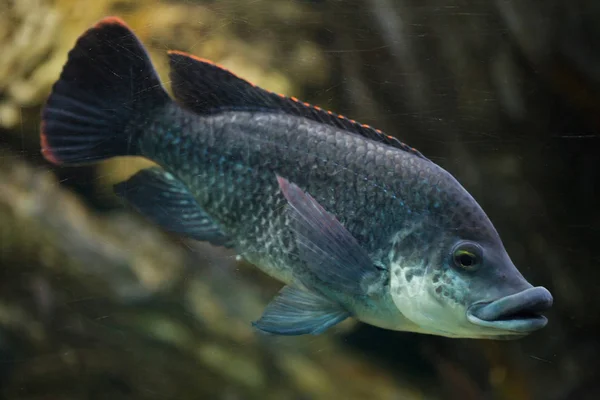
(519, 312)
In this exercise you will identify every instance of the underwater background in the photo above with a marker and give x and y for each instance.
(97, 303)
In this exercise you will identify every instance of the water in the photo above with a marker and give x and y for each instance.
(97, 303)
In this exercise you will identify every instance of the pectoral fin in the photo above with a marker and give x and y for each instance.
(167, 202)
(298, 312)
(328, 249)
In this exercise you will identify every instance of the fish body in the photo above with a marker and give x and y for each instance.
(354, 222)
(230, 169)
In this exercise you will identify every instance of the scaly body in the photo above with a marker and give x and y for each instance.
(354, 222)
(229, 162)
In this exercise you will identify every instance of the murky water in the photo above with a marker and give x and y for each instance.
(98, 302)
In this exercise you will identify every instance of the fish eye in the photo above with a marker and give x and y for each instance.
(467, 256)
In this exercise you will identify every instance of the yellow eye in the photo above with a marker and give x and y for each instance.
(467, 256)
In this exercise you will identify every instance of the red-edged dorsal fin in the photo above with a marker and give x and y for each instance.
(205, 87)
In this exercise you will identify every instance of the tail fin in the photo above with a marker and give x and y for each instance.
(107, 82)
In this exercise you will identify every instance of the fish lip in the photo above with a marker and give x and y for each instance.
(518, 313)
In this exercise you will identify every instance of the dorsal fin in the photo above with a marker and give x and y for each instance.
(206, 87)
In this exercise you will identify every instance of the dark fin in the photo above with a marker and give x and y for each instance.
(297, 312)
(107, 80)
(327, 248)
(166, 201)
(206, 87)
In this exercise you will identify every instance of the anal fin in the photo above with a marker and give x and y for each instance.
(298, 312)
(167, 202)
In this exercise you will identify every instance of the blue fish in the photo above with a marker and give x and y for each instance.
(354, 222)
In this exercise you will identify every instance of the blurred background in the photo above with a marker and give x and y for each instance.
(96, 303)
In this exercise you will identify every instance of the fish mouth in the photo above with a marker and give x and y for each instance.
(519, 313)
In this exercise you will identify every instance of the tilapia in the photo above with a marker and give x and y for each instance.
(354, 222)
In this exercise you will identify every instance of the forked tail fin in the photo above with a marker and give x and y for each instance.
(107, 82)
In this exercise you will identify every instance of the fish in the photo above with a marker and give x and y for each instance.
(353, 222)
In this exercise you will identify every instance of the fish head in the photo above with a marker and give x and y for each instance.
(500, 302)
(457, 280)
